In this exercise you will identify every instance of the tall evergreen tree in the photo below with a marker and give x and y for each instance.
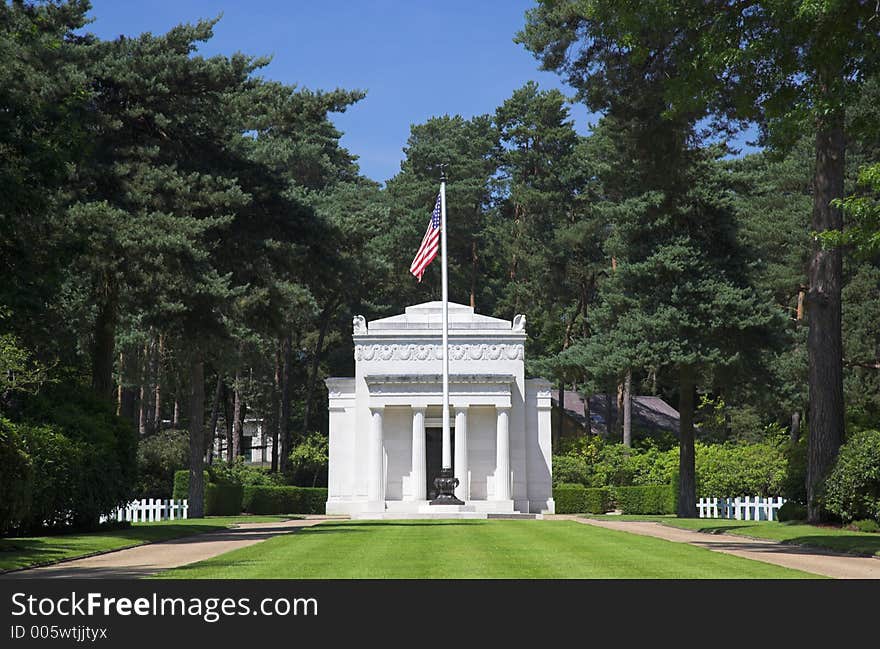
(679, 298)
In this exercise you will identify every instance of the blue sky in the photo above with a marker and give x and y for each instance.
(414, 58)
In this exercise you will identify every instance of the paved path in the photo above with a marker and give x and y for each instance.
(799, 557)
(149, 559)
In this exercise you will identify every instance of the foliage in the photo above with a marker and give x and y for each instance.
(728, 471)
(240, 473)
(577, 499)
(310, 459)
(159, 457)
(568, 469)
(794, 487)
(852, 489)
(222, 496)
(181, 484)
(223, 499)
(83, 458)
(654, 499)
(722, 470)
(868, 525)
(792, 511)
(284, 500)
(16, 477)
(863, 231)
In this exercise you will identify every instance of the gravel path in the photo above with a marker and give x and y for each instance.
(815, 560)
(152, 558)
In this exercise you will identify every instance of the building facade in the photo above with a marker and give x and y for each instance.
(385, 422)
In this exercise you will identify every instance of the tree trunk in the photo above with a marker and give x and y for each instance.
(175, 418)
(284, 424)
(824, 339)
(275, 404)
(227, 420)
(618, 423)
(627, 409)
(609, 415)
(105, 337)
(687, 480)
(794, 432)
(560, 418)
(474, 259)
(236, 415)
(142, 411)
(157, 374)
(316, 360)
(211, 433)
(120, 378)
(589, 422)
(197, 437)
(129, 404)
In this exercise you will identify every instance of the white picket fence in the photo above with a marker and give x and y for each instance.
(149, 510)
(750, 508)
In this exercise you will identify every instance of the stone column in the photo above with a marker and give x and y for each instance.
(502, 455)
(376, 477)
(462, 491)
(417, 477)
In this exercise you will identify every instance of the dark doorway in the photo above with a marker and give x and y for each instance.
(434, 456)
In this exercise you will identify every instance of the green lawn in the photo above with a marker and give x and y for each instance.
(418, 549)
(826, 537)
(21, 552)
(831, 538)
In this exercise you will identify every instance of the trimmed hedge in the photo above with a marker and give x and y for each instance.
(260, 499)
(654, 499)
(221, 498)
(577, 499)
(181, 484)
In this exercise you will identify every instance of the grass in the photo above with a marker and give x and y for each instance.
(24, 552)
(820, 536)
(465, 549)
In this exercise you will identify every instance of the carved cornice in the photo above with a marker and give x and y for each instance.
(481, 352)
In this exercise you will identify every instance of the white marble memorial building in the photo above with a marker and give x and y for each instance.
(385, 423)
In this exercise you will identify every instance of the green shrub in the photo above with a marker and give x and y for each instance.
(569, 498)
(83, 457)
(577, 499)
(223, 499)
(570, 469)
(868, 525)
(310, 460)
(792, 511)
(181, 483)
(794, 485)
(158, 457)
(16, 478)
(237, 472)
(650, 499)
(731, 470)
(284, 500)
(852, 489)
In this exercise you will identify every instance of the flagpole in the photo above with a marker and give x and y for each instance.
(446, 483)
(447, 444)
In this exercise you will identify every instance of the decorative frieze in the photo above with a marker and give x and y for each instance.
(480, 352)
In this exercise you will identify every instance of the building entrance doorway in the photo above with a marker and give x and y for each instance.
(434, 457)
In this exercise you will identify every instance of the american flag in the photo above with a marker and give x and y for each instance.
(430, 244)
